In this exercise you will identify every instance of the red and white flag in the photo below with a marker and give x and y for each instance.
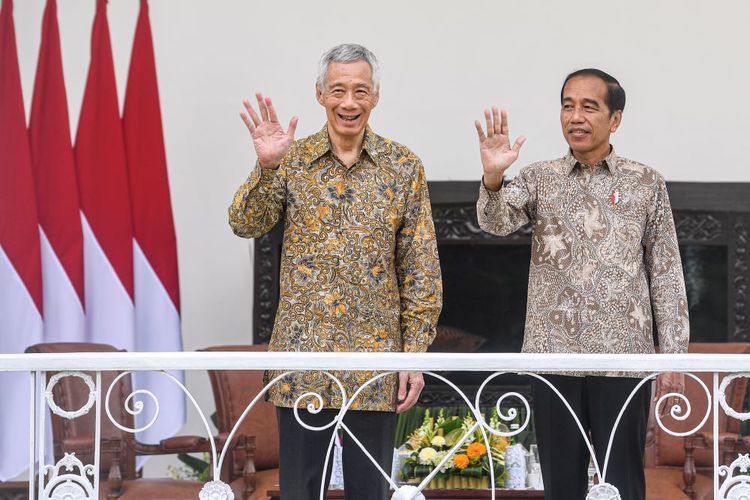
(20, 261)
(56, 192)
(157, 292)
(105, 200)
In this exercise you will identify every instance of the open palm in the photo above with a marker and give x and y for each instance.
(270, 140)
(494, 147)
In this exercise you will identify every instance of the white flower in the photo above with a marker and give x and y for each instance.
(438, 441)
(427, 455)
(447, 465)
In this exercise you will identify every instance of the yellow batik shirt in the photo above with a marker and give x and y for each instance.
(359, 263)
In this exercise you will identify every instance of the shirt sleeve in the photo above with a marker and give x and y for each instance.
(418, 268)
(509, 209)
(259, 202)
(666, 281)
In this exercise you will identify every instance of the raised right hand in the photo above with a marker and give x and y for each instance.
(270, 141)
(495, 149)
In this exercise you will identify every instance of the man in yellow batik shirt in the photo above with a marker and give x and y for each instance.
(359, 267)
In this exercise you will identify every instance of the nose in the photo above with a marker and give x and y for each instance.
(577, 115)
(348, 100)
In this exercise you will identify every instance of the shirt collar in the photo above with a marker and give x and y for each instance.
(320, 143)
(611, 162)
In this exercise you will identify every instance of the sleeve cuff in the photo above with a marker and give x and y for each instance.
(261, 176)
(415, 348)
(488, 198)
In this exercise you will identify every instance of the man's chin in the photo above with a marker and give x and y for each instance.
(348, 130)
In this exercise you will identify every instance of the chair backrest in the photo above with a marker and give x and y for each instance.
(233, 391)
(666, 450)
(453, 339)
(71, 393)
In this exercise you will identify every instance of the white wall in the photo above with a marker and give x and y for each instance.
(684, 65)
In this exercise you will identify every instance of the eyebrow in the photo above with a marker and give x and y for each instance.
(356, 85)
(585, 101)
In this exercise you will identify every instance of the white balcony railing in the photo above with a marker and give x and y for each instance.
(82, 480)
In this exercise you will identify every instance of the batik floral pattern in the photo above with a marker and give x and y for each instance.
(604, 252)
(359, 263)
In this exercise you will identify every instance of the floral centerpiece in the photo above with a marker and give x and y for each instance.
(469, 467)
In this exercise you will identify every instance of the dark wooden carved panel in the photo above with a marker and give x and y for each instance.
(705, 214)
(698, 227)
(741, 330)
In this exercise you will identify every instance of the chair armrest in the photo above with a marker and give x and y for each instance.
(174, 445)
(703, 440)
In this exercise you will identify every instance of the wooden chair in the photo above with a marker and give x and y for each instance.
(682, 468)
(233, 390)
(118, 475)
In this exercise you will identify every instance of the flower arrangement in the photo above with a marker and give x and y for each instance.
(469, 467)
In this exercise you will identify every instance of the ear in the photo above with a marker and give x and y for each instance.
(376, 98)
(614, 121)
(318, 93)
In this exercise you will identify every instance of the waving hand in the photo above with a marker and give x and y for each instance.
(496, 152)
(269, 139)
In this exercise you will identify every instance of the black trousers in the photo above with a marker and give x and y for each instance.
(302, 453)
(597, 401)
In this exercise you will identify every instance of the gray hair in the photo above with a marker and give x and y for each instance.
(348, 53)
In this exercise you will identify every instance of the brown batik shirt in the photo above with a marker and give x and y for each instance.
(359, 263)
(603, 253)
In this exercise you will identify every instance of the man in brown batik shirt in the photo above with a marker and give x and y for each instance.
(604, 254)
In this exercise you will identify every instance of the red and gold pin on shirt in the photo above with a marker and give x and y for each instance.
(614, 198)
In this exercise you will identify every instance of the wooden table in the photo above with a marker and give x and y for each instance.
(447, 494)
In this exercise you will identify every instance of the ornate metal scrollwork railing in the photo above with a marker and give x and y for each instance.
(70, 478)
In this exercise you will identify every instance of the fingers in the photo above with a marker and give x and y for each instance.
(248, 122)
(262, 106)
(403, 381)
(271, 111)
(490, 127)
(496, 121)
(480, 132)
(415, 381)
(519, 142)
(251, 112)
(669, 383)
(504, 123)
(292, 127)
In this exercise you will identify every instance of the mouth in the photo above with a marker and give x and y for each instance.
(577, 133)
(348, 118)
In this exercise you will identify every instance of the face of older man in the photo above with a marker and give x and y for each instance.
(585, 118)
(348, 97)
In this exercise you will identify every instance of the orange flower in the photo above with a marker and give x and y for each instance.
(461, 461)
(476, 450)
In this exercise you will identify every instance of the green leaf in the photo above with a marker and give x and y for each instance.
(454, 437)
(422, 470)
(194, 463)
(450, 425)
(472, 472)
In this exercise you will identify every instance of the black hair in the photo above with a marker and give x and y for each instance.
(615, 98)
